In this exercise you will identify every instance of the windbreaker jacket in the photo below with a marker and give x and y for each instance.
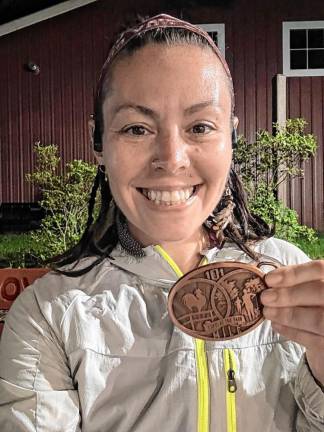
(98, 353)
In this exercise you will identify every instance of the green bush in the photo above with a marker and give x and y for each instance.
(274, 212)
(265, 164)
(65, 199)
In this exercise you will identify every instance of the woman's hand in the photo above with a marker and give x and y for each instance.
(294, 304)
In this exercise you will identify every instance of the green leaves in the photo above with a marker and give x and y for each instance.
(275, 158)
(65, 197)
(269, 161)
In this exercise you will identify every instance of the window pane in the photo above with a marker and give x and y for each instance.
(214, 36)
(298, 59)
(316, 38)
(316, 59)
(297, 39)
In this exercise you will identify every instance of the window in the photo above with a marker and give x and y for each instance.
(217, 33)
(303, 48)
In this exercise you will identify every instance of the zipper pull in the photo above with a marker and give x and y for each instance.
(231, 383)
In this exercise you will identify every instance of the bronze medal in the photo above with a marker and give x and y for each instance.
(218, 301)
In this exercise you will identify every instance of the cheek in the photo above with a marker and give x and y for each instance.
(123, 168)
(215, 164)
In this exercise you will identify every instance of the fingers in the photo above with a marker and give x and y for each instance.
(305, 294)
(295, 303)
(296, 274)
(307, 339)
(298, 319)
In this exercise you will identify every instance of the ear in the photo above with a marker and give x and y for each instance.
(97, 155)
(235, 122)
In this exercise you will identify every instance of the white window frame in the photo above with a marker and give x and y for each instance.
(295, 25)
(220, 29)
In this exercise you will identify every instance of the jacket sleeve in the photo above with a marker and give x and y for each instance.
(36, 387)
(310, 399)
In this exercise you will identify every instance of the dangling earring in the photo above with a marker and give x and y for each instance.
(102, 169)
(218, 220)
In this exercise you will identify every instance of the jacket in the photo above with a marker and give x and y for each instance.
(98, 353)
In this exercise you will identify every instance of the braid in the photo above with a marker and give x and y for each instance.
(232, 220)
(92, 199)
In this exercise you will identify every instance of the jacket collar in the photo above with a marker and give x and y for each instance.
(151, 267)
(155, 268)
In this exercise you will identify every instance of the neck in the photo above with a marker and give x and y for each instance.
(186, 254)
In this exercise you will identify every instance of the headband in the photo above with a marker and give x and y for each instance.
(161, 21)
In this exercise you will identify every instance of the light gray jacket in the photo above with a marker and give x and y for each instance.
(98, 353)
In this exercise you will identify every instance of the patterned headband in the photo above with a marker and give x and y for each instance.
(160, 21)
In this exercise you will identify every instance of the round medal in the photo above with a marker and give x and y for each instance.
(218, 301)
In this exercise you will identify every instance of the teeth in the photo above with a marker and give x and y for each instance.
(168, 197)
(175, 195)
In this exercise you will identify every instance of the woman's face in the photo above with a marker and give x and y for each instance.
(167, 140)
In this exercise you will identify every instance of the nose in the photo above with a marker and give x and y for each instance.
(171, 154)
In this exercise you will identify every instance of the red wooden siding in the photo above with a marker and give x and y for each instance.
(306, 195)
(54, 106)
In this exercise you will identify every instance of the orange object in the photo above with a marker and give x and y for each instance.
(12, 282)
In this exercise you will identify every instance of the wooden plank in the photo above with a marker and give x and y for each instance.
(281, 117)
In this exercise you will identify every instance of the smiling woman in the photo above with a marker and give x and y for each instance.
(97, 350)
(178, 127)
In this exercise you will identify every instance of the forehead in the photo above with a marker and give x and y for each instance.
(174, 74)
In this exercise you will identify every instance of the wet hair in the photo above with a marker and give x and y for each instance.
(231, 215)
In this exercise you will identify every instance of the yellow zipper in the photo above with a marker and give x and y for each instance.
(203, 386)
(201, 360)
(230, 371)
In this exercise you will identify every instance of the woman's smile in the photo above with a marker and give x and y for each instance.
(170, 198)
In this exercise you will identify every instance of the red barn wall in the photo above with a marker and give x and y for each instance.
(54, 106)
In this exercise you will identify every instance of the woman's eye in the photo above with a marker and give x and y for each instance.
(135, 130)
(201, 129)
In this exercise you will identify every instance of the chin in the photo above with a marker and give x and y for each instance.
(178, 233)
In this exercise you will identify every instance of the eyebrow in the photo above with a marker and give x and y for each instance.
(151, 113)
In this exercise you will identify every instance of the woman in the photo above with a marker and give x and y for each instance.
(91, 347)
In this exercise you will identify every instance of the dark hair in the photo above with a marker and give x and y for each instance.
(100, 237)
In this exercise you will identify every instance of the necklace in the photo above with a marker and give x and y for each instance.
(127, 241)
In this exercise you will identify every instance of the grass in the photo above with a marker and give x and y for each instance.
(313, 250)
(19, 250)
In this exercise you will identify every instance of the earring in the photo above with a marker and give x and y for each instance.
(234, 138)
(102, 170)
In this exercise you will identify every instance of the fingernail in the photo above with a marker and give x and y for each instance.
(273, 278)
(269, 296)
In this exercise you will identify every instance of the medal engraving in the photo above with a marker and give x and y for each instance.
(219, 301)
